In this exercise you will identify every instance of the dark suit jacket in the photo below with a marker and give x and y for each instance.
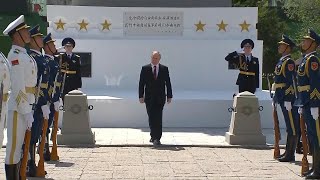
(154, 90)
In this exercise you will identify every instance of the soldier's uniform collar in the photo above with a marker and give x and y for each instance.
(38, 52)
(22, 49)
(52, 57)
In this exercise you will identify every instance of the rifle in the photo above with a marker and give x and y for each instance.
(1, 97)
(305, 163)
(40, 169)
(1, 85)
(54, 151)
(277, 135)
(24, 161)
(27, 138)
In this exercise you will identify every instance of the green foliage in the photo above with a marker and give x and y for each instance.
(32, 19)
(304, 13)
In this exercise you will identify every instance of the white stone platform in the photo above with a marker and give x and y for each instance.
(113, 108)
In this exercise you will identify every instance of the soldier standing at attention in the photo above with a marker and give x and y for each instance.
(22, 98)
(54, 85)
(5, 84)
(71, 67)
(248, 78)
(308, 99)
(42, 110)
(285, 96)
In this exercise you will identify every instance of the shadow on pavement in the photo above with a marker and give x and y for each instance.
(170, 148)
(60, 163)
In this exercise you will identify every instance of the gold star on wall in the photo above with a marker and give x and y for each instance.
(222, 26)
(105, 25)
(83, 25)
(60, 24)
(200, 26)
(244, 26)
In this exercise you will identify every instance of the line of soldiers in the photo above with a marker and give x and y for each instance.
(36, 84)
(297, 91)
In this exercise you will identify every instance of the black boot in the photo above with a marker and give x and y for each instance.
(315, 174)
(46, 152)
(285, 150)
(290, 149)
(310, 146)
(31, 168)
(299, 149)
(12, 171)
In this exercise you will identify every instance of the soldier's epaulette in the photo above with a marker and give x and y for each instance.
(77, 55)
(17, 51)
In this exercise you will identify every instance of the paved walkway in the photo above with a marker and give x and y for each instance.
(167, 162)
(187, 153)
(171, 136)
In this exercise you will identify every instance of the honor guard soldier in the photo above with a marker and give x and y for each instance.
(42, 111)
(248, 78)
(285, 96)
(23, 75)
(5, 84)
(70, 67)
(308, 99)
(54, 85)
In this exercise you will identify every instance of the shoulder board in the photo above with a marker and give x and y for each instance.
(311, 56)
(77, 55)
(17, 51)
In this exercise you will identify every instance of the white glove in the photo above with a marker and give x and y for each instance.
(300, 110)
(29, 120)
(273, 87)
(315, 112)
(288, 105)
(45, 111)
(56, 105)
(239, 51)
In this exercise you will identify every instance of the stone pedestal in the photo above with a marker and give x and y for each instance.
(245, 126)
(76, 129)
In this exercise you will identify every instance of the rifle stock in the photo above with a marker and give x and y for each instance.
(40, 170)
(277, 135)
(304, 163)
(54, 152)
(24, 161)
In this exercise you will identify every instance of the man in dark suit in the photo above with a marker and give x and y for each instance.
(248, 78)
(154, 90)
(70, 67)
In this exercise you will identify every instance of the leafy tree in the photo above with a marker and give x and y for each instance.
(305, 12)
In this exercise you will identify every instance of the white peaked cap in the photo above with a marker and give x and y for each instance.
(15, 25)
